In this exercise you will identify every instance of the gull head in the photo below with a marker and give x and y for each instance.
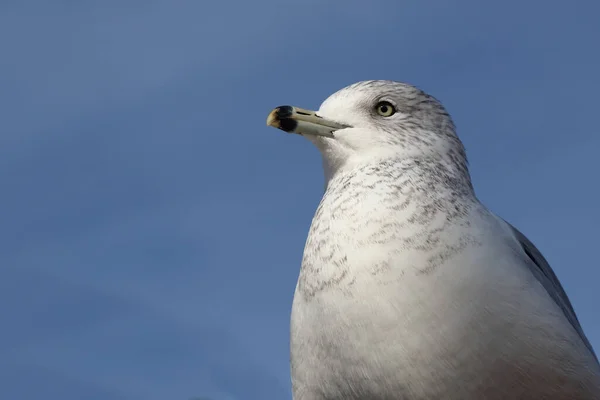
(371, 121)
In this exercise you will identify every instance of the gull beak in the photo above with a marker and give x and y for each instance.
(304, 122)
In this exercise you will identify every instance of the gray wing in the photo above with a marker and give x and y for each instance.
(548, 279)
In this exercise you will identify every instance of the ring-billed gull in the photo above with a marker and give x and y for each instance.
(409, 287)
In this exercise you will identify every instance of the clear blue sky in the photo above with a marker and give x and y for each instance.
(152, 226)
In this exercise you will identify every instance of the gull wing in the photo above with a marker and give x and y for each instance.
(549, 280)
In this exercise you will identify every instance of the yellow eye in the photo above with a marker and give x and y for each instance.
(385, 109)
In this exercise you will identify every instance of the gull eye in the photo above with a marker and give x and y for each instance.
(385, 109)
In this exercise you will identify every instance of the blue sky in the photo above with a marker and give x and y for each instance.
(153, 226)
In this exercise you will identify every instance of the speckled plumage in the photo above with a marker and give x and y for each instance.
(409, 287)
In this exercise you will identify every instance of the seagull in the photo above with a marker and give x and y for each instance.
(410, 288)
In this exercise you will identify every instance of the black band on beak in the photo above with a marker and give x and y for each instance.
(286, 123)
